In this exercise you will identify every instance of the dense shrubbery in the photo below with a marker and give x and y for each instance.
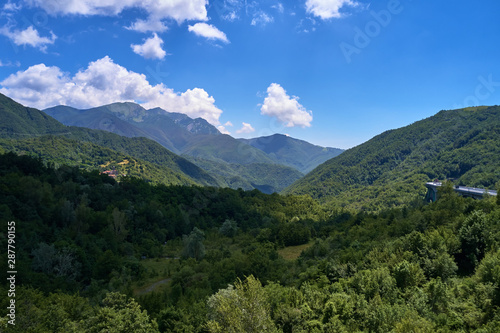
(132, 257)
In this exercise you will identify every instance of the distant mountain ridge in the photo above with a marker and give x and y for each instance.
(132, 120)
(295, 153)
(391, 169)
(195, 126)
(235, 163)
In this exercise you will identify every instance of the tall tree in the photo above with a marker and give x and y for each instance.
(119, 315)
(193, 245)
(240, 309)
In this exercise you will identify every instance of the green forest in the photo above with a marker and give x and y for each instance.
(97, 255)
(390, 170)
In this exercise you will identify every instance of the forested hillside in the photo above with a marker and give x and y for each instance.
(145, 149)
(391, 169)
(59, 150)
(31, 131)
(20, 122)
(95, 255)
(267, 178)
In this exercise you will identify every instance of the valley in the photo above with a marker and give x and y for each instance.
(234, 163)
(182, 243)
(229, 166)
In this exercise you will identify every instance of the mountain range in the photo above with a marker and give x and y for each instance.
(268, 163)
(390, 170)
(147, 143)
(172, 130)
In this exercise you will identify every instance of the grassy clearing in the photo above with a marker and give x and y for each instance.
(293, 252)
(157, 286)
(158, 272)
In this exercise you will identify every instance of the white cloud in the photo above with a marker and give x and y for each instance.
(245, 129)
(104, 82)
(285, 108)
(29, 36)
(179, 10)
(81, 7)
(223, 129)
(327, 9)
(156, 10)
(148, 25)
(9, 6)
(262, 19)
(151, 49)
(208, 31)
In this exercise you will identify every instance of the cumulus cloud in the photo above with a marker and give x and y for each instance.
(285, 108)
(29, 36)
(179, 10)
(104, 82)
(151, 49)
(245, 129)
(327, 9)
(208, 31)
(156, 10)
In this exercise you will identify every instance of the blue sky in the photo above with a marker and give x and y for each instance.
(332, 72)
